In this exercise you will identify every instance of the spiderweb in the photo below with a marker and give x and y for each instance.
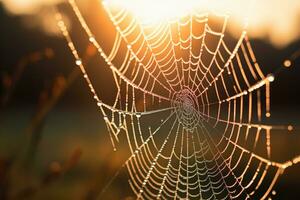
(190, 106)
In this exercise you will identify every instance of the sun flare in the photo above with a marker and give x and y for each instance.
(149, 11)
(155, 10)
(275, 20)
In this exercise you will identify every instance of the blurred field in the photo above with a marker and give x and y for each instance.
(67, 133)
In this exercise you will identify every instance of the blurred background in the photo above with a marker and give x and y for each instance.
(53, 142)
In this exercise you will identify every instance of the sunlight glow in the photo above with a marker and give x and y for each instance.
(152, 11)
(275, 20)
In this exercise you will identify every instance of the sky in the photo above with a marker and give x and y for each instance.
(274, 20)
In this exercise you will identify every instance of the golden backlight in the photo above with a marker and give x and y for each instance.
(151, 11)
(275, 20)
(272, 19)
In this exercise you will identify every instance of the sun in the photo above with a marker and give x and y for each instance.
(149, 11)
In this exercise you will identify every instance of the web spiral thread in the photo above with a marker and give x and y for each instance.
(191, 109)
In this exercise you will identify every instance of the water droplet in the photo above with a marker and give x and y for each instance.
(78, 62)
(287, 63)
(92, 39)
(271, 78)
